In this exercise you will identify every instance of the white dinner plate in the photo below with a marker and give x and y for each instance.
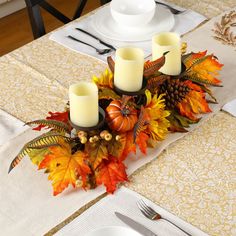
(113, 231)
(105, 25)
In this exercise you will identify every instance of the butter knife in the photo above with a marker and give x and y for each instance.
(95, 37)
(135, 225)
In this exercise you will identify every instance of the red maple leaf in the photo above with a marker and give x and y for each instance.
(110, 173)
(59, 116)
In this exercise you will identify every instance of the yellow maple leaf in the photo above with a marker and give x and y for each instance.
(64, 167)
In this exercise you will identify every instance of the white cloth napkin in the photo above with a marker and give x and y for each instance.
(124, 201)
(9, 127)
(184, 22)
(230, 107)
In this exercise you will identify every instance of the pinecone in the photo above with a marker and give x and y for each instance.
(175, 91)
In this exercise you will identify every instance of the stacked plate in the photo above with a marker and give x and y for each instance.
(104, 24)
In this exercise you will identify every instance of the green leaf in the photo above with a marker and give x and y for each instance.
(37, 155)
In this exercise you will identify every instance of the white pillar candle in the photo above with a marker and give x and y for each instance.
(84, 110)
(164, 42)
(129, 64)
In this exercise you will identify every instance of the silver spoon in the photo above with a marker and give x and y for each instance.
(99, 51)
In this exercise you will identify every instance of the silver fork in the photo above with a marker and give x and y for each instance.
(99, 51)
(172, 9)
(153, 215)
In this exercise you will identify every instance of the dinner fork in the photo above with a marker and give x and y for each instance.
(172, 9)
(151, 214)
(98, 50)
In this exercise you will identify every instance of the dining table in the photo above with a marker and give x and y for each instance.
(192, 174)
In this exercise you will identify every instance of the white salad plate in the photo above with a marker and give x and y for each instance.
(104, 24)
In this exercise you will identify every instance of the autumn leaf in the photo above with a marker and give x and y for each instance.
(37, 155)
(107, 93)
(202, 68)
(65, 168)
(97, 152)
(141, 141)
(105, 81)
(58, 116)
(110, 173)
(194, 102)
(129, 144)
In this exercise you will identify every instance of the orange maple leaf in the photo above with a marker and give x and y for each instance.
(65, 168)
(194, 103)
(110, 173)
(141, 141)
(202, 68)
(97, 152)
(129, 145)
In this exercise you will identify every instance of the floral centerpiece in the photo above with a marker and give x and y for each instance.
(90, 158)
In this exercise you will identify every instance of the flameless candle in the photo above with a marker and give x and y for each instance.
(84, 104)
(164, 42)
(129, 69)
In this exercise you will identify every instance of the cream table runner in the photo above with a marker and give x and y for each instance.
(58, 69)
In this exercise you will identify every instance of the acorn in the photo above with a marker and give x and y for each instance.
(108, 137)
(83, 140)
(81, 134)
(95, 138)
(118, 137)
(103, 133)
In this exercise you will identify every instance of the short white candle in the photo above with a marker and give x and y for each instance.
(84, 110)
(129, 64)
(164, 42)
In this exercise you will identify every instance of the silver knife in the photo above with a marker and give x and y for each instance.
(135, 225)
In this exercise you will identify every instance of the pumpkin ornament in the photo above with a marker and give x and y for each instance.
(121, 115)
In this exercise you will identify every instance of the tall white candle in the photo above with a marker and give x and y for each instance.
(84, 110)
(129, 64)
(164, 42)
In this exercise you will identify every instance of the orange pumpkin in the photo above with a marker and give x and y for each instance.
(121, 118)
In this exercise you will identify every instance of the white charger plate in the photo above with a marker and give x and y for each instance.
(113, 231)
(104, 24)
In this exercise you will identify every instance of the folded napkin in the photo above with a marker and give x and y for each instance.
(230, 107)
(124, 201)
(184, 22)
(9, 127)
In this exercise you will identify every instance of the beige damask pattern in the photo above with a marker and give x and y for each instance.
(202, 178)
(192, 178)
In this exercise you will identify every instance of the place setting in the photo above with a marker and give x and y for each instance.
(121, 23)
